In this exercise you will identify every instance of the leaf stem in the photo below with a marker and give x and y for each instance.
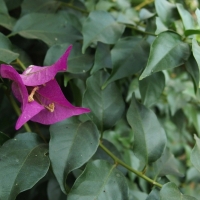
(20, 64)
(120, 162)
(143, 4)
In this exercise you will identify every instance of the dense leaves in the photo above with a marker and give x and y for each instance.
(134, 67)
(104, 181)
(145, 127)
(101, 26)
(68, 151)
(106, 105)
(7, 54)
(23, 153)
(170, 191)
(174, 54)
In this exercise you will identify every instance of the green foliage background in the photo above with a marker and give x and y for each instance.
(135, 64)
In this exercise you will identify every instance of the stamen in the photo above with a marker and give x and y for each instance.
(30, 97)
(50, 107)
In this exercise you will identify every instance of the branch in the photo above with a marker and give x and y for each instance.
(120, 162)
(143, 4)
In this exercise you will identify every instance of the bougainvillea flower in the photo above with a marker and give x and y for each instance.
(43, 103)
(36, 75)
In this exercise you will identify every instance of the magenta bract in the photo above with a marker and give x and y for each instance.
(39, 93)
(36, 75)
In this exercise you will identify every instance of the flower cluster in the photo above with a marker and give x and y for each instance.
(39, 93)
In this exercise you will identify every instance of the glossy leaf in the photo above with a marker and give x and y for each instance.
(193, 69)
(197, 12)
(54, 191)
(196, 51)
(23, 163)
(50, 28)
(77, 62)
(149, 136)
(5, 19)
(193, 116)
(171, 192)
(45, 6)
(101, 26)
(6, 53)
(151, 88)
(189, 32)
(167, 51)
(102, 57)
(106, 105)
(100, 180)
(3, 138)
(166, 165)
(145, 14)
(154, 195)
(166, 11)
(12, 4)
(160, 26)
(72, 144)
(187, 18)
(129, 56)
(195, 154)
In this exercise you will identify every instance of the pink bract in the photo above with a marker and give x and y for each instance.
(49, 104)
(36, 75)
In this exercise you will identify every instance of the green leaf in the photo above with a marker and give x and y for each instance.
(189, 32)
(193, 31)
(71, 145)
(50, 28)
(77, 62)
(170, 191)
(53, 190)
(167, 51)
(193, 69)
(154, 195)
(129, 56)
(166, 11)
(187, 18)
(5, 19)
(100, 180)
(104, 5)
(102, 57)
(196, 53)
(166, 165)
(106, 105)
(193, 116)
(13, 4)
(45, 6)
(6, 53)
(149, 136)
(151, 88)
(3, 138)
(197, 12)
(23, 163)
(137, 195)
(101, 26)
(145, 14)
(195, 154)
(161, 27)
